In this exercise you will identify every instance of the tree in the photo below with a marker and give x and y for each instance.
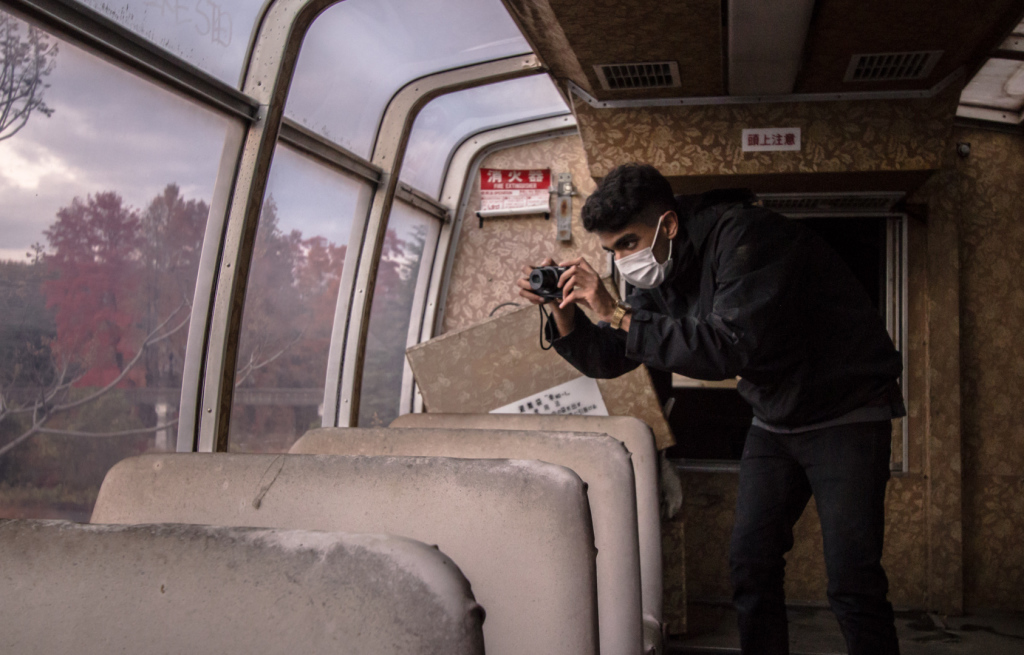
(118, 288)
(26, 57)
(389, 326)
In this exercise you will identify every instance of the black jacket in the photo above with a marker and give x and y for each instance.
(756, 295)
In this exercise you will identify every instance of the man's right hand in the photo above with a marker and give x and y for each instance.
(564, 318)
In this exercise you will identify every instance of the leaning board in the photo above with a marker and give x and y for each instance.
(499, 361)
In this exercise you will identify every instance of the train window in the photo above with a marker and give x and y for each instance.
(359, 53)
(409, 231)
(301, 243)
(212, 35)
(447, 120)
(105, 192)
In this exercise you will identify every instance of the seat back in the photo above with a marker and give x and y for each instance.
(156, 589)
(520, 531)
(602, 462)
(632, 432)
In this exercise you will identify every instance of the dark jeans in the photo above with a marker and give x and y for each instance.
(846, 468)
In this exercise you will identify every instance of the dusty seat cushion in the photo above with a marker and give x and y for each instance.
(99, 589)
(600, 461)
(519, 530)
(632, 432)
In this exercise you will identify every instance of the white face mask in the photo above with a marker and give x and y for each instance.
(641, 269)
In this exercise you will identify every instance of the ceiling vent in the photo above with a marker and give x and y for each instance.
(650, 75)
(831, 204)
(892, 66)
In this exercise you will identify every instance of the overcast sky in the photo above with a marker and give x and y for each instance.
(112, 131)
(109, 132)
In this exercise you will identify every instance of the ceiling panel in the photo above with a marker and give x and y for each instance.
(966, 32)
(688, 32)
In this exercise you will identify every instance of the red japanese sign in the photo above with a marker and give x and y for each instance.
(514, 189)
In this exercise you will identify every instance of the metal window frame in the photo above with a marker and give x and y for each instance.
(341, 398)
(897, 314)
(86, 27)
(211, 349)
(267, 77)
(458, 184)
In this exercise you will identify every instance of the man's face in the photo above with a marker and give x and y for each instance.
(638, 235)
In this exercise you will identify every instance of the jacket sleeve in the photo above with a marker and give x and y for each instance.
(596, 351)
(755, 263)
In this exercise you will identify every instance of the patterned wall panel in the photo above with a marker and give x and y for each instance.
(688, 32)
(709, 511)
(992, 322)
(943, 454)
(842, 28)
(837, 137)
(488, 259)
(571, 36)
(540, 26)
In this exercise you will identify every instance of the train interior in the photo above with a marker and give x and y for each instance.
(229, 226)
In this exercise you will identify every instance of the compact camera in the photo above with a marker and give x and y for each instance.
(544, 281)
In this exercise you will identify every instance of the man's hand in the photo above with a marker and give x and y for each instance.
(583, 286)
(564, 316)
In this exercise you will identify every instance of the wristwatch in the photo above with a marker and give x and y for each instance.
(621, 309)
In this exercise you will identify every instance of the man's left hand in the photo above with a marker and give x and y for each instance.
(583, 286)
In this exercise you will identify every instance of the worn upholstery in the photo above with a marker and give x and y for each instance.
(636, 436)
(171, 589)
(519, 530)
(602, 462)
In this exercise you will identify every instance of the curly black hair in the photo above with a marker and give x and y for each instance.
(629, 194)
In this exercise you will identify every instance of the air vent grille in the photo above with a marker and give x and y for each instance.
(891, 66)
(649, 75)
(829, 204)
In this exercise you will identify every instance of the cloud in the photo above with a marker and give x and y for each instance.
(25, 165)
(110, 131)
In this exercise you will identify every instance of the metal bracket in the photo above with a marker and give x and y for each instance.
(563, 206)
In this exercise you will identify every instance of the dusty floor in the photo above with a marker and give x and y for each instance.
(814, 631)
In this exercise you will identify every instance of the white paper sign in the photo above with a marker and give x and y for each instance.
(580, 397)
(769, 139)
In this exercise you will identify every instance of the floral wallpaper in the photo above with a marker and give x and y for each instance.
(488, 259)
(564, 35)
(836, 137)
(843, 28)
(991, 210)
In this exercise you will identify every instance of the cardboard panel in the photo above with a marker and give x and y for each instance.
(499, 361)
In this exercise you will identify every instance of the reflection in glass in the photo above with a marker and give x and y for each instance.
(212, 35)
(409, 230)
(359, 53)
(289, 303)
(103, 205)
(449, 119)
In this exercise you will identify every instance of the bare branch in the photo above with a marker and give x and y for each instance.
(251, 368)
(128, 367)
(120, 433)
(22, 437)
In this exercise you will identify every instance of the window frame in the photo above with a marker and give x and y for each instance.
(209, 366)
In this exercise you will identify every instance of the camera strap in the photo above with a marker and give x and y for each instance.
(543, 316)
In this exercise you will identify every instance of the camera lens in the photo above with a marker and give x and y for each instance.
(542, 279)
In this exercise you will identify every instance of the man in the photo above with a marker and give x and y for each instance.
(723, 288)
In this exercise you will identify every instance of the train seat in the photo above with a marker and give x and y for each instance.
(638, 439)
(603, 464)
(520, 530)
(170, 589)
